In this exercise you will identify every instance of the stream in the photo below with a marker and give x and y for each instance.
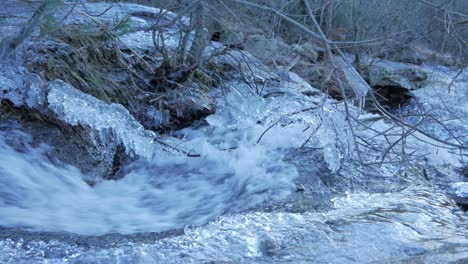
(252, 193)
(275, 175)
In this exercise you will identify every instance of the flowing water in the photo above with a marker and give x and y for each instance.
(151, 197)
(244, 198)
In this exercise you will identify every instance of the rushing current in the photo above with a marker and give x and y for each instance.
(171, 193)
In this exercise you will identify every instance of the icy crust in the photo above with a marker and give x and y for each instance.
(439, 109)
(77, 108)
(21, 87)
(271, 99)
(444, 102)
(323, 127)
(110, 123)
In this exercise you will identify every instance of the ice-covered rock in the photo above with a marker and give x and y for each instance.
(108, 124)
(77, 108)
(459, 192)
(21, 87)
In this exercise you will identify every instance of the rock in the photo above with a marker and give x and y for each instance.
(309, 51)
(393, 74)
(254, 70)
(231, 38)
(68, 145)
(300, 187)
(267, 245)
(268, 50)
(459, 193)
(228, 31)
(418, 54)
(313, 73)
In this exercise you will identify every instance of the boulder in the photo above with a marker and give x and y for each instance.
(233, 38)
(394, 74)
(230, 37)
